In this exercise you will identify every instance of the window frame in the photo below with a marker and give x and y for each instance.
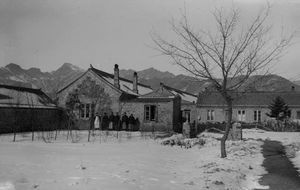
(150, 113)
(83, 113)
(297, 114)
(241, 115)
(257, 116)
(210, 115)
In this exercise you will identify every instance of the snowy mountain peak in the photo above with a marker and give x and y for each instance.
(13, 67)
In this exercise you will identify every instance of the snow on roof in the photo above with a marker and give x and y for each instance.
(166, 92)
(159, 93)
(125, 84)
(185, 96)
(12, 96)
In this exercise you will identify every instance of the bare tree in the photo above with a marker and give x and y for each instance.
(226, 58)
(98, 97)
(72, 104)
(100, 100)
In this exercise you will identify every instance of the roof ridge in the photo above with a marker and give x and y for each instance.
(21, 88)
(124, 79)
(175, 89)
(70, 83)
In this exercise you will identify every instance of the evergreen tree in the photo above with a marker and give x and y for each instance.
(278, 109)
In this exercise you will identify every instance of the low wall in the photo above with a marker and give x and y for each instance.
(28, 119)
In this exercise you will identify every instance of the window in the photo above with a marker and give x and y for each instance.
(82, 107)
(298, 115)
(289, 113)
(187, 115)
(86, 111)
(257, 115)
(150, 113)
(210, 115)
(241, 115)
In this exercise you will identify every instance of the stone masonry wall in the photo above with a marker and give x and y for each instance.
(249, 114)
(113, 93)
(165, 114)
(192, 107)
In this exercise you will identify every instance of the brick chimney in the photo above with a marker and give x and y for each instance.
(293, 88)
(116, 76)
(161, 86)
(135, 83)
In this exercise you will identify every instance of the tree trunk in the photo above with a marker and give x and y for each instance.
(15, 133)
(32, 128)
(90, 127)
(228, 126)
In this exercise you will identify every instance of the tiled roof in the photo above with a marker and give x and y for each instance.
(168, 92)
(149, 100)
(125, 84)
(159, 93)
(14, 96)
(185, 96)
(262, 99)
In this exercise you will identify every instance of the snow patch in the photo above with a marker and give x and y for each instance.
(15, 79)
(7, 186)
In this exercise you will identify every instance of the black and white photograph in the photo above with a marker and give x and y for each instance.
(149, 94)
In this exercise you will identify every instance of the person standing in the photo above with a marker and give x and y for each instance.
(117, 121)
(111, 121)
(124, 121)
(97, 122)
(105, 121)
(131, 122)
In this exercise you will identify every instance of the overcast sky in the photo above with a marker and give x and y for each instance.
(48, 33)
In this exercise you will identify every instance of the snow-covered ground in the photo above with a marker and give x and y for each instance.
(291, 141)
(132, 162)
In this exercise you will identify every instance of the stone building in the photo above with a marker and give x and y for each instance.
(157, 110)
(249, 107)
(188, 102)
(115, 89)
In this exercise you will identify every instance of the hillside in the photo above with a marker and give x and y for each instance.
(49, 82)
(194, 86)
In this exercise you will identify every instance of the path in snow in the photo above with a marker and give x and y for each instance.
(281, 172)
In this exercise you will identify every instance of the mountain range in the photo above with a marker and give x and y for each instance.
(50, 82)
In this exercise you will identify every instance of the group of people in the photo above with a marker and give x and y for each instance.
(115, 122)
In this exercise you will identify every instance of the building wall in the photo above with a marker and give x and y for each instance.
(113, 93)
(177, 118)
(249, 113)
(202, 114)
(165, 114)
(193, 113)
(294, 111)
